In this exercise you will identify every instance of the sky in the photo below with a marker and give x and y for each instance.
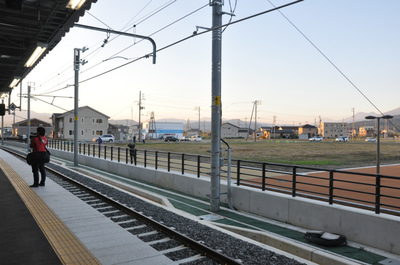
(313, 60)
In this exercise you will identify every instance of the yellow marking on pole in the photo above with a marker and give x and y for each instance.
(217, 100)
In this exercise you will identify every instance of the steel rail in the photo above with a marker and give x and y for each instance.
(188, 242)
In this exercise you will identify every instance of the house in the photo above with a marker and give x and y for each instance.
(367, 131)
(228, 130)
(245, 132)
(21, 128)
(121, 132)
(306, 131)
(278, 132)
(91, 124)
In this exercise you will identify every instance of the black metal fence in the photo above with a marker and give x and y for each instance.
(379, 193)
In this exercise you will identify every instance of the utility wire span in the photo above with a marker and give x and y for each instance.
(332, 63)
(36, 98)
(180, 41)
(163, 28)
(191, 36)
(113, 56)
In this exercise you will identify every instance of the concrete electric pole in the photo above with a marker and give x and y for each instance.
(77, 65)
(216, 105)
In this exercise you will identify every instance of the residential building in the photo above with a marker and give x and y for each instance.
(278, 132)
(367, 131)
(120, 132)
(307, 131)
(244, 132)
(330, 130)
(21, 128)
(91, 124)
(228, 130)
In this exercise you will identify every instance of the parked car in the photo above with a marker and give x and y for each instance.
(105, 138)
(195, 138)
(370, 139)
(342, 139)
(184, 138)
(170, 139)
(316, 139)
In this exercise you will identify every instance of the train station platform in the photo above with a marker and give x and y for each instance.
(49, 225)
(111, 247)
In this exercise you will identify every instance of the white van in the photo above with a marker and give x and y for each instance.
(195, 138)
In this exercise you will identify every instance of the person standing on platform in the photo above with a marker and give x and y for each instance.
(132, 150)
(38, 145)
(100, 141)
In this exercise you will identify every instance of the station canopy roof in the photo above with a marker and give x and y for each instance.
(30, 25)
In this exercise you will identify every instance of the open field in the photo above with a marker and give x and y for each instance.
(327, 154)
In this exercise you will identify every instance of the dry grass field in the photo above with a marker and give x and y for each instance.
(327, 154)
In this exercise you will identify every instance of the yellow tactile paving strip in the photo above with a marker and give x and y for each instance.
(66, 245)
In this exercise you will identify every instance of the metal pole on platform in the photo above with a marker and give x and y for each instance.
(77, 60)
(216, 105)
(28, 134)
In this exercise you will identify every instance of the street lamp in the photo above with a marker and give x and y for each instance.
(378, 140)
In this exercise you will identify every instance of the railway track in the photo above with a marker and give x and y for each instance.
(183, 240)
(169, 242)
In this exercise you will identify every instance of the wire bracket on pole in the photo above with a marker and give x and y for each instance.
(108, 31)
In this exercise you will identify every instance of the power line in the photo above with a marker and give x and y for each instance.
(97, 49)
(163, 28)
(191, 36)
(330, 61)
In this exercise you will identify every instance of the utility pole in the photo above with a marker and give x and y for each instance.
(352, 132)
(216, 104)
(77, 65)
(255, 121)
(256, 103)
(198, 108)
(28, 134)
(140, 116)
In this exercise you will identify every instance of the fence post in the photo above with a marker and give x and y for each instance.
(331, 187)
(183, 164)
(294, 175)
(168, 161)
(145, 158)
(112, 152)
(238, 173)
(84, 149)
(263, 177)
(126, 155)
(198, 166)
(119, 153)
(135, 156)
(105, 152)
(156, 160)
(378, 194)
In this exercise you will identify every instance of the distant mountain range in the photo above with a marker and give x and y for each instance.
(205, 123)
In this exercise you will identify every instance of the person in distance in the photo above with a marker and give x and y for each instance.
(38, 145)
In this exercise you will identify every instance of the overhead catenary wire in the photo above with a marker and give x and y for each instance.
(163, 28)
(97, 49)
(191, 36)
(331, 62)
